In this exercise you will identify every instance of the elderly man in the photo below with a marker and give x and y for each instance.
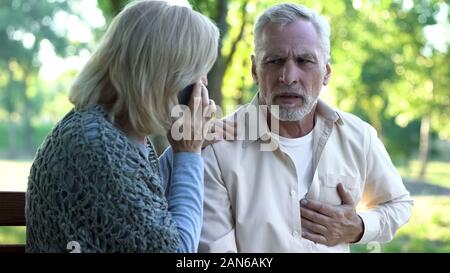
(301, 195)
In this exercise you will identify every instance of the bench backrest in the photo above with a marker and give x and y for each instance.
(12, 213)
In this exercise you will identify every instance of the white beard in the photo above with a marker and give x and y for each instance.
(295, 113)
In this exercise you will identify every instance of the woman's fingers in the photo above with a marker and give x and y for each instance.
(210, 110)
(202, 110)
(194, 122)
(196, 95)
(205, 96)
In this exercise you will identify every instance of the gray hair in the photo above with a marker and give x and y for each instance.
(151, 50)
(289, 13)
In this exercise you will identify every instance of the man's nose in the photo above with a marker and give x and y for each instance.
(290, 73)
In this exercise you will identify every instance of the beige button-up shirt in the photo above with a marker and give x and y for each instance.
(251, 202)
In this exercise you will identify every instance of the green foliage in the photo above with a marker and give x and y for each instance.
(422, 70)
(31, 20)
(438, 172)
(400, 142)
(384, 68)
(209, 8)
(25, 27)
(110, 8)
(378, 70)
(427, 230)
(12, 235)
(41, 131)
(4, 143)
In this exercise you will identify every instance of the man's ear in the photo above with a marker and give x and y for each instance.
(327, 76)
(254, 75)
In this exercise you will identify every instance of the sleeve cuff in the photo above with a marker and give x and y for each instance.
(226, 244)
(188, 158)
(187, 155)
(371, 226)
(187, 165)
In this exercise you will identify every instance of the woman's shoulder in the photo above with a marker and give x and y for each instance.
(86, 128)
(81, 120)
(88, 136)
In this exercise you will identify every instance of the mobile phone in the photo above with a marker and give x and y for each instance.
(185, 95)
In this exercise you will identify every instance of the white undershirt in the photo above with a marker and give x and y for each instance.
(300, 151)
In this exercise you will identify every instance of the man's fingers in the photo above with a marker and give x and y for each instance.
(314, 216)
(316, 228)
(344, 195)
(318, 206)
(317, 238)
(224, 130)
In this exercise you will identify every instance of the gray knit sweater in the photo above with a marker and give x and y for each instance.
(90, 184)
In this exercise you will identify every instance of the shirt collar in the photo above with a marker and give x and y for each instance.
(263, 133)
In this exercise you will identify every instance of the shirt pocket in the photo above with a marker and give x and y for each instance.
(329, 193)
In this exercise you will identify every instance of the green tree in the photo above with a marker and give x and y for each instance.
(111, 8)
(422, 92)
(24, 26)
(384, 66)
(233, 20)
(377, 59)
(219, 12)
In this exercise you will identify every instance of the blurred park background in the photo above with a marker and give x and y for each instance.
(391, 67)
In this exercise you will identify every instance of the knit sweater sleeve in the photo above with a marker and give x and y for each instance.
(182, 175)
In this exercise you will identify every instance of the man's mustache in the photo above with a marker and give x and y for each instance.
(289, 92)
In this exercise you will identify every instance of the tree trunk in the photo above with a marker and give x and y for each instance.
(217, 73)
(423, 146)
(11, 126)
(12, 139)
(215, 79)
(215, 76)
(28, 130)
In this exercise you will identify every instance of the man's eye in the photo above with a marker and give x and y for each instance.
(274, 61)
(303, 61)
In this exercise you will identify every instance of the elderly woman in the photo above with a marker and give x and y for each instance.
(96, 182)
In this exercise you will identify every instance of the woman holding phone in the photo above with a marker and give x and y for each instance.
(96, 179)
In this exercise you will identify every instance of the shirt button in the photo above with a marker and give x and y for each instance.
(295, 233)
(293, 193)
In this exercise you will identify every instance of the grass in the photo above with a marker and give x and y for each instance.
(438, 173)
(427, 231)
(14, 178)
(12, 235)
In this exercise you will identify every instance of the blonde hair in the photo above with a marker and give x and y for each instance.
(150, 51)
(288, 13)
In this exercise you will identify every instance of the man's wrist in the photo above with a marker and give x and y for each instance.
(360, 228)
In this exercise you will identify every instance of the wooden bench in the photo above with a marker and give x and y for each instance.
(12, 213)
